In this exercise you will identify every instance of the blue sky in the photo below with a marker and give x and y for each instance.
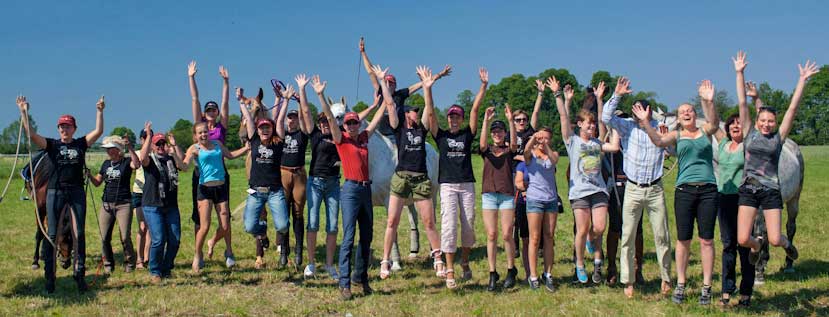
(64, 54)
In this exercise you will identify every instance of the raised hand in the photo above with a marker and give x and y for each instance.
(447, 70)
(706, 90)
(126, 140)
(379, 72)
(223, 73)
(191, 69)
(288, 92)
(808, 70)
(622, 86)
(553, 83)
(484, 75)
(425, 75)
(100, 104)
(598, 91)
(539, 85)
(301, 81)
(362, 44)
(568, 92)
(641, 113)
(740, 61)
(489, 114)
(751, 89)
(377, 98)
(22, 103)
(508, 112)
(148, 126)
(171, 139)
(319, 87)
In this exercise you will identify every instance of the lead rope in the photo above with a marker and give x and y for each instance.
(16, 155)
(359, 63)
(34, 188)
(100, 234)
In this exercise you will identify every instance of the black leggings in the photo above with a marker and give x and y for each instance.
(728, 234)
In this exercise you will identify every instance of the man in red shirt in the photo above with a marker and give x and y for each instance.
(355, 195)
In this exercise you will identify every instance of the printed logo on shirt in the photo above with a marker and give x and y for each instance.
(455, 148)
(265, 154)
(113, 173)
(415, 142)
(291, 145)
(590, 162)
(67, 155)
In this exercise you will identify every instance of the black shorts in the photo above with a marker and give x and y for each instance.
(522, 227)
(216, 194)
(696, 202)
(759, 196)
(136, 200)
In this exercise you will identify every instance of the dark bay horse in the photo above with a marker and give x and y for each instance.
(43, 169)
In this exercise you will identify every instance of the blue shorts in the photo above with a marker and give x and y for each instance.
(497, 201)
(538, 206)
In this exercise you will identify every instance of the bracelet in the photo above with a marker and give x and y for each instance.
(540, 93)
(557, 93)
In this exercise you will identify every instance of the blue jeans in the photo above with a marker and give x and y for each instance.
(317, 189)
(56, 199)
(279, 212)
(164, 224)
(357, 210)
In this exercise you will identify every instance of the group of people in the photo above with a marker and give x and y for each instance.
(615, 174)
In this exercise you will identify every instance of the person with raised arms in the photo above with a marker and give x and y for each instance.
(65, 187)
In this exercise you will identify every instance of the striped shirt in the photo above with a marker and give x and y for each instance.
(643, 159)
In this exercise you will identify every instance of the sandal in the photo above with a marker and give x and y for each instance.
(384, 269)
(450, 282)
(438, 265)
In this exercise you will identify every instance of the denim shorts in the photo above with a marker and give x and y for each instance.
(497, 201)
(538, 206)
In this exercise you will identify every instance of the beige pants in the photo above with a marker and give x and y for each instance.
(638, 199)
(109, 214)
(457, 200)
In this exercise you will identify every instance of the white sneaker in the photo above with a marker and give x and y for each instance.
(395, 266)
(310, 270)
(332, 272)
(230, 261)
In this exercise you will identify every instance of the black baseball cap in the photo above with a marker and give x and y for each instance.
(211, 105)
(498, 124)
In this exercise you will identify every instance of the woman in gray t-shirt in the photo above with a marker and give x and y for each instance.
(588, 189)
(761, 188)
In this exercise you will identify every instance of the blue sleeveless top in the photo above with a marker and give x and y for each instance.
(211, 163)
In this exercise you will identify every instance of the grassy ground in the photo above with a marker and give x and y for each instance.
(414, 291)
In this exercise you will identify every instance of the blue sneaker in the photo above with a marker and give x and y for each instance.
(581, 274)
(589, 246)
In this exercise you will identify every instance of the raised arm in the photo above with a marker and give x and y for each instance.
(225, 95)
(519, 181)
(564, 118)
(380, 74)
(194, 91)
(568, 97)
(706, 97)
(283, 111)
(234, 154)
(489, 114)
(135, 162)
(427, 81)
(250, 125)
(367, 64)
(364, 114)
(513, 144)
(598, 92)
(476, 104)
(528, 149)
(146, 145)
(174, 151)
(443, 73)
(614, 145)
(608, 116)
(539, 85)
(304, 115)
(378, 115)
(644, 117)
(319, 88)
(37, 139)
(751, 91)
(93, 136)
(806, 72)
(739, 66)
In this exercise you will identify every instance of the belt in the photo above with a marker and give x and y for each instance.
(361, 183)
(264, 189)
(654, 182)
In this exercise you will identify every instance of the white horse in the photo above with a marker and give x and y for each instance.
(791, 170)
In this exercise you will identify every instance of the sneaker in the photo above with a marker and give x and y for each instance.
(467, 272)
(108, 269)
(759, 277)
(50, 286)
(230, 260)
(705, 296)
(413, 255)
(310, 271)
(745, 303)
(791, 252)
(589, 246)
(128, 268)
(155, 279)
(367, 290)
(345, 293)
(597, 272)
(548, 282)
(332, 272)
(395, 266)
(581, 274)
(534, 284)
(679, 294)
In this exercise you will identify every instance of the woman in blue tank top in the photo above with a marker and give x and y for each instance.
(210, 155)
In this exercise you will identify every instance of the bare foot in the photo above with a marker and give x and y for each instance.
(210, 246)
(629, 291)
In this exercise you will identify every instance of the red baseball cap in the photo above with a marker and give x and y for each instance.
(351, 116)
(455, 109)
(263, 121)
(67, 119)
(158, 137)
(391, 78)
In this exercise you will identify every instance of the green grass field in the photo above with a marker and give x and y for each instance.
(413, 292)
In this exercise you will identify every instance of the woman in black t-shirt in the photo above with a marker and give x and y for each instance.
(116, 173)
(65, 186)
(457, 181)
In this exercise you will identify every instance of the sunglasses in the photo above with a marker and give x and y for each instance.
(161, 143)
(520, 120)
(352, 122)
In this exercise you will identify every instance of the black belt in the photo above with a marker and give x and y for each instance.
(654, 182)
(361, 183)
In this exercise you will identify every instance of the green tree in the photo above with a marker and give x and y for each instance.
(8, 138)
(724, 104)
(232, 140)
(121, 131)
(812, 121)
(183, 132)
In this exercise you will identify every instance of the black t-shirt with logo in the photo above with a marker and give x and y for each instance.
(117, 180)
(521, 137)
(69, 159)
(325, 161)
(399, 97)
(455, 156)
(152, 176)
(293, 149)
(411, 152)
(264, 164)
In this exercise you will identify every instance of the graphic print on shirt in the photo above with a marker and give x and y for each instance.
(590, 158)
(67, 155)
(291, 145)
(265, 154)
(415, 142)
(455, 148)
(113, 173)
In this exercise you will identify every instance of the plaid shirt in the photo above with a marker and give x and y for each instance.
(643, 159)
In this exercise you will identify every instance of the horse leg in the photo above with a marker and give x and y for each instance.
(792, 209)
(760, 231)
(414, 234)
(38, 241)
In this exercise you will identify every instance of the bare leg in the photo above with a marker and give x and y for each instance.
(491, 226)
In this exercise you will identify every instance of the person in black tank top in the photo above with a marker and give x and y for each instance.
(65, 186)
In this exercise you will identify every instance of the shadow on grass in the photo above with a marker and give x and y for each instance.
(796, 303)
(66, 291)
(805, 269)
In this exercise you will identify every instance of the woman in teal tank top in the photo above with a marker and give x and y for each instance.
(696, 196)
(210, 156)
